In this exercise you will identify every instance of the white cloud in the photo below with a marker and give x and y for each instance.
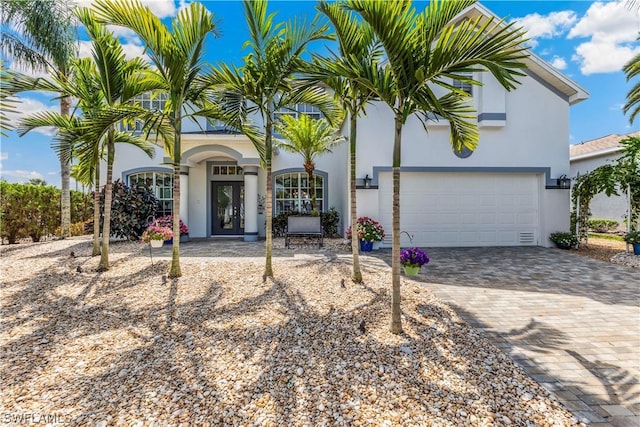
(547, 26)
(613, 29)
(559, 62)
(4, 156)
(160, 8)
(131, 49)
(20, 175)
(29, 106)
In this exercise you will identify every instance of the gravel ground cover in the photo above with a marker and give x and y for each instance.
(609, 250)
(218, 346)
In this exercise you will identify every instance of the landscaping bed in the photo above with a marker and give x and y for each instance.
(220, 346)
(610, 250)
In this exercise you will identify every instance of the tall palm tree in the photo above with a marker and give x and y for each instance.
(632, 69)
(428, 49)
(40, 34)
(267, 83)
(359, 51)
(309, 138)
(106, 86)
(177, 54)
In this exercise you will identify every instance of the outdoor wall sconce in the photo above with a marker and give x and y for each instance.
(367, 181)
(564, 182)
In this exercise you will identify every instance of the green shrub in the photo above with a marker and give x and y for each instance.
(132, 209)
(33, 210)
(329, 221)
(600, 225)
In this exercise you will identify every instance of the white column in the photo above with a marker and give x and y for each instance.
(250, 203)
(184, 194)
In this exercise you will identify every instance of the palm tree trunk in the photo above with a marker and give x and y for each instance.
(108, 197)
(396, 322)
(355, 242)
(175, 270)
(96, 214)
(268, 268)
(65, 174)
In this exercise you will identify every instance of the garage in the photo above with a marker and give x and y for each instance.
(464, 209)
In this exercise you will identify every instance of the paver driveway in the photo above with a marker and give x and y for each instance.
(571, 322)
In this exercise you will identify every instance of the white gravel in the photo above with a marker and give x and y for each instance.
(218, 346)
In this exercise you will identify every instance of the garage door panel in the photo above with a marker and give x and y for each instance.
(463, 209)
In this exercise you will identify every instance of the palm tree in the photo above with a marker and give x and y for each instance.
(177, 55)
(40, 34)
(267, 83)
(105, 86)
(632, 69)
(309, 138)
(428, 49)
(358, 52)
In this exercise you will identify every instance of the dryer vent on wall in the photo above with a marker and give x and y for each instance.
(526, 238)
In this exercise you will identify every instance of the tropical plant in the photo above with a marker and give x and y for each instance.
(131, 209)
(429, 49)
(177, 52)
(309, 138)
(267, 83)
(358, 52)
(105, 86)
(40, 34)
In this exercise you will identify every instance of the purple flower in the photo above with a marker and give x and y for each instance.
(414, 257)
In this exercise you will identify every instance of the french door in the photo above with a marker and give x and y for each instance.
(228, 208)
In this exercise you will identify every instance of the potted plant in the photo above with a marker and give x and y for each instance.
(633, 238)
(156, 235)
(167, 221)
(412, 259)
(369, 231)
(564, 239)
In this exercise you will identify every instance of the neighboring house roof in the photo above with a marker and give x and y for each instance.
(598, 147)
(538, 68)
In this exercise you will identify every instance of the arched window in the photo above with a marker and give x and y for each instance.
(292, 193)
(160, 184)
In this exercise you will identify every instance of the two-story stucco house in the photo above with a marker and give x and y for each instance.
(503, 194)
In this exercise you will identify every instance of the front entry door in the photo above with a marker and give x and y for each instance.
(228, 208)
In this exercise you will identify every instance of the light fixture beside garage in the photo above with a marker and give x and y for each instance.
(367, 181)
(564, 181)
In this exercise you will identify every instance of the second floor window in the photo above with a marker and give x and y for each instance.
(466, 87)
(148, 102)
(309, 110)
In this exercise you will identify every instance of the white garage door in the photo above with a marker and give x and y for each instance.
(463, 209)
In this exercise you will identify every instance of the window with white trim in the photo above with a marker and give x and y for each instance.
(160, 184)
(309, 110)
(293, 193)
(149, 102)
(465, 86)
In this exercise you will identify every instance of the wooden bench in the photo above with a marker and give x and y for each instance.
(303, 226)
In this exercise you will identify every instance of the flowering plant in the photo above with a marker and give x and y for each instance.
(154, 232)
(564, 239)
(632, 237)
(368, 230)
(167, 221)
(414, 257)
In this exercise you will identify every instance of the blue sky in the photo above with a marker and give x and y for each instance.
(588, 41)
